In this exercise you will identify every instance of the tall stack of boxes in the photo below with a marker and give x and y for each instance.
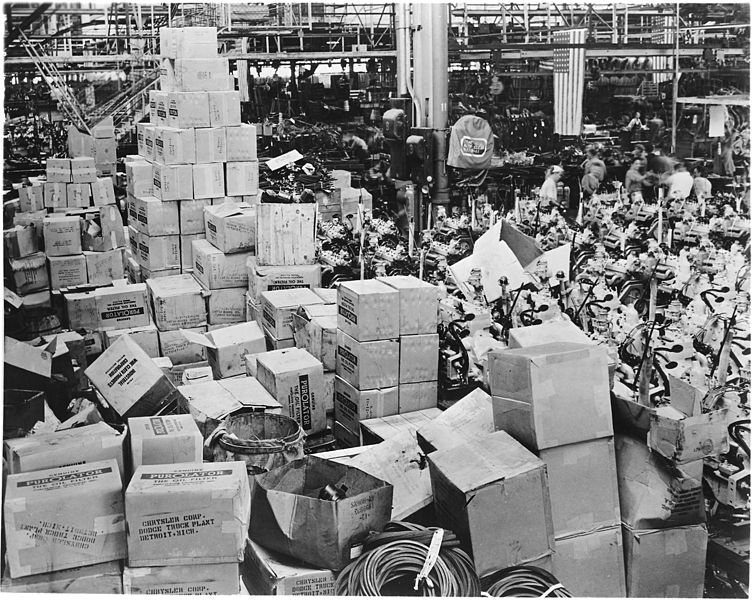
(554, 399)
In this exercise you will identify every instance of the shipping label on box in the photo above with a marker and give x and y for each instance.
(145, 337)
(269, 278)
(187, 109)
(104, 267)
(59, 170)
(178, 302)
(30, 273)
(83, 170)
(367, 365)
(286, 234)
(45, 528)
(67, 271)
(419, 304)
(201, 74)
(174, 146)
(296, 380)
(242, 178)
(210, 145)
(122, 306)
(168, 439)
(368, 310)
(139, 178)
(102, 578)
(231, 227)
(103, 192)
(224, 108)
(191, 216)
(153, 216)
(55, 195)
(469, 418)
(179, 350)
(78, 195)
(227, 306)
(207, 580)
(31, 197)
(419, 358)
(208, 180)
(353, 405)
(226, 347)
(173, 182)
(81, 309)
(277, 308)
(217, 270)
(417, 396)
(207, 520)
(684, 439)
(62, 236)
(22, 240)
(241, 143)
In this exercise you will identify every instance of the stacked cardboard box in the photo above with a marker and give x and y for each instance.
(100, 147)
(554, 399)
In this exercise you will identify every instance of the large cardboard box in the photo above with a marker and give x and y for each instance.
(277, 308)
(55, 195)
(493, 493)
(368, 310)
(139, 178)
(102, 578)
(286, 234)
(227, 306)
(242, 178)
(419, 304)
(653, 492)
(210, 402)
(469, 418)
(551, 331)
(155, 253)
(315, 330)
(81, 310)
(103, 192)
(224, 108)
(208, 180)
(210, 145)
(30, 273)
(419, 358)
(152, 216)
(684, 439)
(288, 518)
(172, 182)
(201, 74)
(146, 337)
(33, 218)
(186, 251)
(103, 229)
(122, 306)
(241, 143)
(210, 580)
(191, 216)
(582, 486)
(31, 197)
(188, 42)
(103, 268)
(203, 516)
(417, 396)
(187, 109)
(552, 394)
(105, 150)
(62, 235)
(83, 445)
(129, 380)
(379, 429)
(591, 565)
(175, 346)
(226, 347)
(353, 405)
(66, 271)
(178, 302)
(58, 170)
(45, 526)
(296, 380)
(216, 270)
(367, 365)
(231, 227)
(79, 195)
(268, 573)
(168, 439)
(665, 563)
(263, 278)
(83, 170)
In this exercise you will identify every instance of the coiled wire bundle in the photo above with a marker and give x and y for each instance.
(526, 582)
(397, 556)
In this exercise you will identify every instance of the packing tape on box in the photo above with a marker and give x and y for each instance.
(675, 542)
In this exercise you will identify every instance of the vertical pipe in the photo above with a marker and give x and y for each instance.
(625, 38)
(402, 58)
(676, 79)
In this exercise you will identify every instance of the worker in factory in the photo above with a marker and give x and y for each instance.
(594, 172)
(548, 194)
(701, 185)
(680, 183)
(635, 179)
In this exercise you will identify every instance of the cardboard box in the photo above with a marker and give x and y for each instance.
(204, 516)
(227, 305)
(417, 396)
(296, 380)
(216, 270)
(201, 74)
(30, 273)
(83, 445)
(282, 511)
(317, 334)
(667, 563)
(214, 579)
(493, 494)
(79, 144)
(188, 42)
(58, 170)
(103, 192)
(552, 394)
(210, 402)
(179, 350)
(81, 310)
(22, 240)
(268, 573)
(419, 304)
(551, 331)
(155, 253)
(286, 234)
(468, 419)
(31, 197)
(167, 79)
(419, 358)
(105, 150)
(178, 302)
(103, 230)
(224, 108)
(329, 295)
(210, 145)
(66, 271)
(122, 306)
(55, 195)
(175, 146)
(186, 251)
(104, 267)
(45, 528)
(685, 396)
(252, 309)
(191, 216)
(242, 178)
(187, 109)
(79, 195)
(379, 429)
(146, 337)
(139, 178)
(83, 170)
(684, 439)
(152, 216)
(591, 565)
(227, 347)
(367, 365)
(277, 308)
(62, 235)
(231, 227)
(132, 270)
(582, 486)
(368, 310)
(141, 127)
(208, 180)
(102, 578)
(195, 375)
(93, 342)
(653, 492)
(33, 218)
(173, 182)
(241, 143)
(268, 278)
(169, 439)
(129, 380)
(353, 405)
(345, 437)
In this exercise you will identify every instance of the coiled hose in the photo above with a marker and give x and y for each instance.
(526, 582)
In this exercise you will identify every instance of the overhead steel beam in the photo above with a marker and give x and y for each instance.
(16, 31)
